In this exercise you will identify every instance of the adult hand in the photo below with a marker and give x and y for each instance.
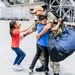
(37, 36)
(60, 20)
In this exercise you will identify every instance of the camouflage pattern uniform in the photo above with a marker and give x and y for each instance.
(51, 18)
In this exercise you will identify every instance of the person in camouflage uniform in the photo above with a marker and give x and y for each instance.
(60, 43)
(51, 21)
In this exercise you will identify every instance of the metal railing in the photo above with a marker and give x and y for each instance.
(64, 8)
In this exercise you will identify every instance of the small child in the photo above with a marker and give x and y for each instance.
(42, 44)
(15, 35)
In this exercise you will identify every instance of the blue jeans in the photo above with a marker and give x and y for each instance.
(20, 55)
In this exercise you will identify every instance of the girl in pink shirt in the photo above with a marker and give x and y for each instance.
(15, 35)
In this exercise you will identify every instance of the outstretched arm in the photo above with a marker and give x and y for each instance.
(31, 30)
(25, 34)
(27, 28)
(28, 32)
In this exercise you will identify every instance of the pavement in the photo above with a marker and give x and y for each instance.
(28, 45)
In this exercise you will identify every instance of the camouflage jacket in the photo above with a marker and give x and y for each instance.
(52, 18)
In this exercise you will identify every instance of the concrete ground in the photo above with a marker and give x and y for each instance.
(28, 44)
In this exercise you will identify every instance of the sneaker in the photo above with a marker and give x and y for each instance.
(30, 71)
(56, 74)
(17, 67)
(39, 69)
(14, 66)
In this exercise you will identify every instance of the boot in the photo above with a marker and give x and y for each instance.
(39, 69)
(56, 74)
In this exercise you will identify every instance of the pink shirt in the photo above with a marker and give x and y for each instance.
(15, 39)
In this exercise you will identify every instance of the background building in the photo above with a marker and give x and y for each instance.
(20, 9)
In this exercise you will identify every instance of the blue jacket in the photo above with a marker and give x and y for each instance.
(43, 41)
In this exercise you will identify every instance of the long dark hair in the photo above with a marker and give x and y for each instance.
(12, 27)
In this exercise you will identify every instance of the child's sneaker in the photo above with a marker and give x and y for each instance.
(17, 67)
(30, 71)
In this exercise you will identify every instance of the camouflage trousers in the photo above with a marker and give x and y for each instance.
(54, 65)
